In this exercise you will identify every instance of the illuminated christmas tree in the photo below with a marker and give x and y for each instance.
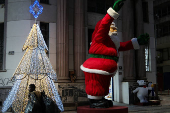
(34, 68)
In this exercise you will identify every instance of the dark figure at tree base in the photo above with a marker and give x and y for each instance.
(39, 102)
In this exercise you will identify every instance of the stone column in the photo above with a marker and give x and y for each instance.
(62, 42)
(141, 52)
(79, 39)
(128, 34)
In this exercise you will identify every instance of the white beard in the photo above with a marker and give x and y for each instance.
(112, 26)
(115, 39)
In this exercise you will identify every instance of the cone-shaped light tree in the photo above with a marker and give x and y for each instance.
(34, 68)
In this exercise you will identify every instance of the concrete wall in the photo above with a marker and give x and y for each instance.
(17, 32)
(52, 44)
(149, 28)
(2, 13)
(18, 10)
(71, 34)
(125, 92)
(151, 75)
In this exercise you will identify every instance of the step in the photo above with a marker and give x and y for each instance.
(165, 99)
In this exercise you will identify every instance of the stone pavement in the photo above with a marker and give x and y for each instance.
(142, 109)
(138, 109)
(163, 108)
(146, 109)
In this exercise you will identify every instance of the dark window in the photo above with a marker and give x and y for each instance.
(99, 6)
(45, 32)
(158, 31)
(1, 44)
(44, 1)
(159, 57)
(2, 1)
(157, 14)
(91, 5)
(165, 54)
(168, 10)
(90, 32)
(160, 69)
(164, 11)
(169, 53)
(163, 29)
(145, 11)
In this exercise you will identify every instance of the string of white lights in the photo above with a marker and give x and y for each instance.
(56, 95)
(9, 100)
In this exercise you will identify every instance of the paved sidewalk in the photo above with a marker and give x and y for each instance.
(140, 109)
(163, 108)
(146, 109)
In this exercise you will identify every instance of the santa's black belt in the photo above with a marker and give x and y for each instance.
(104, 56)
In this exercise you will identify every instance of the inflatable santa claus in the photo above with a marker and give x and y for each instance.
(104, 51)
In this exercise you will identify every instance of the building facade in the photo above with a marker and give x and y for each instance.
(162, 28)
(67, 26)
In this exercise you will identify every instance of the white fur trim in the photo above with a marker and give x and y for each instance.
(94, 97)
(116, 40)
(112, 13)
(135, 43)
(95, 71)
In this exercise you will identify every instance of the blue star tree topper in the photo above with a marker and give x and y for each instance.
(36, 9)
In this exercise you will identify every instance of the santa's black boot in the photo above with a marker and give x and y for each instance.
(109, 102)
(101, 103)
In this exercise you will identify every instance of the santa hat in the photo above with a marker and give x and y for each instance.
(141, 82)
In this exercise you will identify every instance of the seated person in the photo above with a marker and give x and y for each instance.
(35, 102)
(39, 102)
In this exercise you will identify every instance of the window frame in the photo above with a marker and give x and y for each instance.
(162, 54)
(145, 11)
(162, 10)
(163, 29)
(2, 51)
(147, 59)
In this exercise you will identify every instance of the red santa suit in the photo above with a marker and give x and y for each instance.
(102, 64)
